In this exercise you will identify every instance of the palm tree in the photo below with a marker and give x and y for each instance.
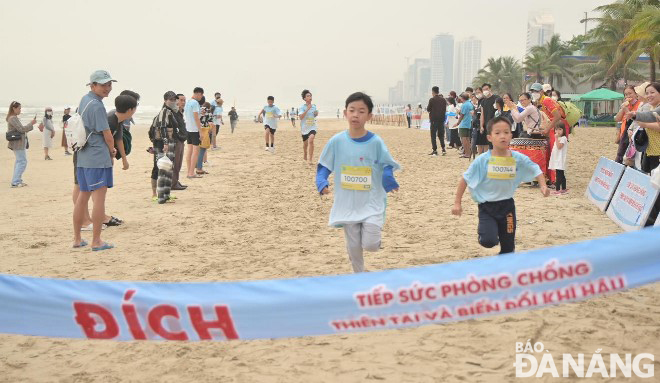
(622, 15)
(645, 32)
(538, 64)
(558, 68)
(503, 73)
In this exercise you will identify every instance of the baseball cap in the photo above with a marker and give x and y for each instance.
(536, 86)
(169, 95)
(100, 77)
(67, 107)
(547, 87)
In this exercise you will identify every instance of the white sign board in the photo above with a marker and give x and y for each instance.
(603, 182)
(633, 200)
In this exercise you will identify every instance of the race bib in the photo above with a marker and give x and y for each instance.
(502, 168)
(356, 178)
(270, 115)
(309, 121)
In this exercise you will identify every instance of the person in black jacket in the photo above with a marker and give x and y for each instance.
(162, 133)
(437, 109)
(180, 138)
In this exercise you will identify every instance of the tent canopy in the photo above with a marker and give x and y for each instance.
(601, 94)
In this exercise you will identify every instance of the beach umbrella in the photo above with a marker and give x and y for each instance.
(601, 94)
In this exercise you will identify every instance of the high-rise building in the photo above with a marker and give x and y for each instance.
(468, 62)
(540, 28)
(416, 81)
(396, 94)
(442, 62)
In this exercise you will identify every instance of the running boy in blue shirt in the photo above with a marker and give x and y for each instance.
(271, 115)
(492, 179)
(363, 170)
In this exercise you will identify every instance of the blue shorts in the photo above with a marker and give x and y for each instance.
(90, 179)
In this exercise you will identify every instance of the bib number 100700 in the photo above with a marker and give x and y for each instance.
(356, 178)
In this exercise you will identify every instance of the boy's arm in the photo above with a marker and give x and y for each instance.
(460, 190)
(389, 182)
(197, 121)
(544, 189)
(322, 174)
(119, 144)
(110, 142)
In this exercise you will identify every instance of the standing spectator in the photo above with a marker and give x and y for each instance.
(65, 118)
(487, 104)
(233, 118)
(163, 135)
(465, 124)
(193, 125)
(293, 117)
(452, 123)
(553, 111)
(94, 162)
(630, 104)
(19, 145)
(48, 132)
(418, 116)
(180, 137)
(216, 107)
(437, 109)
(408, 111)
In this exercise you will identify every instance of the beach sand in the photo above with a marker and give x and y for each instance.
(258, 216)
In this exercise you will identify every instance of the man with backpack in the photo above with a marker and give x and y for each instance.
(95, 156)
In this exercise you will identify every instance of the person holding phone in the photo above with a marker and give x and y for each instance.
(20, 145)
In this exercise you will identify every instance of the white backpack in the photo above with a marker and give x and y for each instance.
(77, 135)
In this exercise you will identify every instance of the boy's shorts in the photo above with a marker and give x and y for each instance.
(305, 137)
(193, 138)
(464, 133)
(90, 179)
(272, 131)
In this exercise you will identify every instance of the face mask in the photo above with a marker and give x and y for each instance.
(555, 98)
(487, 93)
(536, 96)
(172, 105)
(49, 114)
(479, 96)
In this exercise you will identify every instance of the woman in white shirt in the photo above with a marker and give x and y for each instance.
(452, 123)
(530, 116)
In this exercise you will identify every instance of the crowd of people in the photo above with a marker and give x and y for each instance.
(477, 123)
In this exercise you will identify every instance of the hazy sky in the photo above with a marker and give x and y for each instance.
(246, 49)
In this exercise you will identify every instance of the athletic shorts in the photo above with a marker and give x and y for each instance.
(193, 138)
(306, 136)
(293, 119)
(464, 133)
(272, 131)
(90, 179)
(75, 167)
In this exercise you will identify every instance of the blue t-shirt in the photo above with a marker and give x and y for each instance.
(359, 194)
(492, 179)
(466, 110)
(270, 118)
(191, 107)
(309, 122)
(95, 153)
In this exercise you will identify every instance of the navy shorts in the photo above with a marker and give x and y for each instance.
(305, 137)
(271, 130)
(193, 138)
(90, 179)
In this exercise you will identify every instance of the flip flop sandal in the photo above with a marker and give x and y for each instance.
(104, 246)
(82, 243)
(113, 222)
(195, 176)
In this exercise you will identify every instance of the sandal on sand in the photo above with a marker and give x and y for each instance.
(195, 176)
(202, 172)
(82, 243)
(90, 227)
(114, 221)
(104, 246)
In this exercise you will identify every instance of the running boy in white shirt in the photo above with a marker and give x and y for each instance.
(493, 179)
(363, 176)
(271, 115)
(308, 114)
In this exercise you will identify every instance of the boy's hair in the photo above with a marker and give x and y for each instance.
(130, 93)
(206, 105)
(179, 95)
(491, 123)
(271, 98)
(469, 89)
(124, 102)
(360, 96)
(198, 90)
(304, 93)
(435, 90)
(486, 84)
(217, 94)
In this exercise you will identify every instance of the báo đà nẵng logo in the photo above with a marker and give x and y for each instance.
(533, 360)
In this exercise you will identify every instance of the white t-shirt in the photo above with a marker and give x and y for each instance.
(452, 119)
(558, 156)
(191, 107)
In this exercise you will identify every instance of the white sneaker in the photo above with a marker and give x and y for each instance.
(267, 148)
(272, 149)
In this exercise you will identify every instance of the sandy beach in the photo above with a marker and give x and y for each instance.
(258, 216)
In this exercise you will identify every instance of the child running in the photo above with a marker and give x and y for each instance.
(308, 113)
(363, 175)
(493, 178)
(558, 158)
(271, 115)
